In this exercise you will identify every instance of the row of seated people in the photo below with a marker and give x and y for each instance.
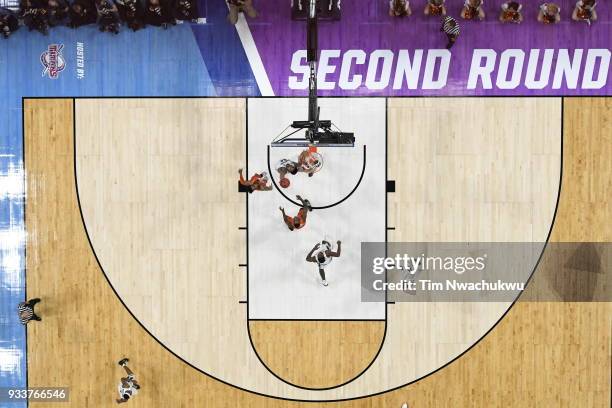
(511, 11)
(40, 15)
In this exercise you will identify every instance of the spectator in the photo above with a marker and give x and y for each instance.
(132, 13)
(585, 11)
(435, 8)
(240, 6)
(472, 10)
(82, 12)
(26, 311)
(399, 8)
(511, 12)
(159, 13)
(9, 22)
(108, 16)
(57, 10)
(550, 13)
(186, 10)
(34, 14)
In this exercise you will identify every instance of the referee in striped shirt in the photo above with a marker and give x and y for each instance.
(451, 29)
(26, 311)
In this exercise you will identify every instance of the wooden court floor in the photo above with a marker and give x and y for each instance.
(541, 354)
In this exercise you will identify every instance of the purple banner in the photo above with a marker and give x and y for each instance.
(370, 53)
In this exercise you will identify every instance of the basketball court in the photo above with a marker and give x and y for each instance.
(122, 211)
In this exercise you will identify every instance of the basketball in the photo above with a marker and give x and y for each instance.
(284, 182)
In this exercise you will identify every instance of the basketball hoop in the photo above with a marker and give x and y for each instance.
(316, 131)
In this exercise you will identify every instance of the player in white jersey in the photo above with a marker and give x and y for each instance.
(285, 166)
(128, 387)
(322, 255)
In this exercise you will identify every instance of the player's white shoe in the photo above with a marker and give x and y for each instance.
(324, 283)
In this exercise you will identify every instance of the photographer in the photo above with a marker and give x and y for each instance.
(240, 6)
(82, 12)
(108, 17)
(57, 10)
(186, 10)
(8, 22)
(131, 13)
(34, 14)
(159, 13)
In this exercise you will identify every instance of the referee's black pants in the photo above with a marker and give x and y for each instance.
(31, 303)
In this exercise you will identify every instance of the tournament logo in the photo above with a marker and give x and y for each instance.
(53, 61)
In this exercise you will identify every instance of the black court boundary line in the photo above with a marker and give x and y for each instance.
(323, 207)
(317, 320)
(25, 247)
(305, 96)
(386, 205)
(246, 204)
(248, 320)
(314, 400)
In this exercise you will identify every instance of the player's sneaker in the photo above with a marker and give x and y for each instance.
(123, 362)
(324, 283)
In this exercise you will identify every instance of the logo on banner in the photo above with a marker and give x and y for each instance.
(53, 61)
